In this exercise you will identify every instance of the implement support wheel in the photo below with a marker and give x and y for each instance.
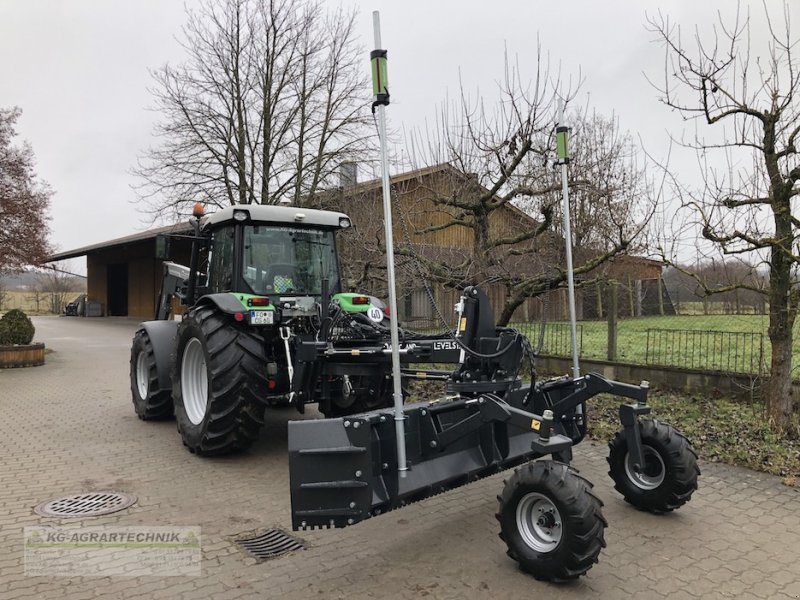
(550, 521)
(668, 477)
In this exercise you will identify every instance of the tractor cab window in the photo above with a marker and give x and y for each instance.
(220, 260)
(289, 260)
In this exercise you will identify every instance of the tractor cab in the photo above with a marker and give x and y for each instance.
(272, 251)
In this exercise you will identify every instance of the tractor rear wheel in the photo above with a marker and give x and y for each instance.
(150, 402)
(551, 521)
(219, 382)
(669, 475)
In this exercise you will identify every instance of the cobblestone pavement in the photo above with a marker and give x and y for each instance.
(69, 426)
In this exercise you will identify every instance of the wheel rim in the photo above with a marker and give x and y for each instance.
(539, 522)
(653, 473)
(142, 375)
(194, 381)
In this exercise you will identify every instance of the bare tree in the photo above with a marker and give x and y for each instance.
(36, 296)
(610, 196)
(505, 155)
(751, 105)
(56, 286)
(24, 201)
(272, 98)
(739, 279)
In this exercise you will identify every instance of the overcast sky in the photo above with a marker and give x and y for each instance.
(79, 71)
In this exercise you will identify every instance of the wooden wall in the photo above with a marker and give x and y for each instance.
(145, 273)
(414, 210)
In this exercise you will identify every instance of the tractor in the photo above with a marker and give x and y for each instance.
(267, 325)
(257, 278)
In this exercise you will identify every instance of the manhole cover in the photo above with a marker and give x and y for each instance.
(90, 504)
(270, 544)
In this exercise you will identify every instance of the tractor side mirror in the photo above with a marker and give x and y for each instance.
(163, 247)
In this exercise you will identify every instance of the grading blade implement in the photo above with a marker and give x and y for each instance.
(345, 470)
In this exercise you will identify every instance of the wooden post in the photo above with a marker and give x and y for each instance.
(638, 287)
(631, 297)
(599, 295)
(612, 307)
(660, 296)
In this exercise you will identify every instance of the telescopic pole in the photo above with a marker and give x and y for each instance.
(380, 88)
(562, 149)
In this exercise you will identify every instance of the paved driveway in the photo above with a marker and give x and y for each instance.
(69, 426)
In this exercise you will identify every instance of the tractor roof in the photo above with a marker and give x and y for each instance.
(276, 214)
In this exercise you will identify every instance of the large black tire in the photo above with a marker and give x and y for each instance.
(669, 476)
(551, 521)
(229, 361)
(150, 402)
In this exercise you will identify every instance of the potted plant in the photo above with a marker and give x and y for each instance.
(16, 334)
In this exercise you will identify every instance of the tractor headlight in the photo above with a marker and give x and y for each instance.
(344, 222)
(240, 215)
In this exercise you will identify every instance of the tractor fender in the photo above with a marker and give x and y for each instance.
(163, 336)
(225, 302)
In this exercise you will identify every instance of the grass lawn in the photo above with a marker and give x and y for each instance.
(715, 351)
(721, 430)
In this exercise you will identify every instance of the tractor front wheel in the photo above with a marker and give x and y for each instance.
(149, 401)
(219, 382)
(668, 477)
(551, 521)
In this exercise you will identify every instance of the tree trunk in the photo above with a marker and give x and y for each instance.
(779, 401)
(513, 301)
(782, 314)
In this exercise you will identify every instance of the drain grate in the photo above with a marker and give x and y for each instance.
(90, 504)
(271, 544)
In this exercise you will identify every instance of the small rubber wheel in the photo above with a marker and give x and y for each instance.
(669, 474)
(150, 402)
(551, 522)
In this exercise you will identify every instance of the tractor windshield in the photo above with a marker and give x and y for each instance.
(289, 260)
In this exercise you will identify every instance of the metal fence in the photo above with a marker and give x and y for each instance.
(557, 337)
(725, 351)
(703, 350)
(741, 352)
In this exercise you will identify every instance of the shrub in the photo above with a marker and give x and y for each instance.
(16, 328)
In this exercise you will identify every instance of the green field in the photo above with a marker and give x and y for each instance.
(706, 347)
(27, 301)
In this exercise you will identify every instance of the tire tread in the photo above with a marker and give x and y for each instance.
(237, 385)
(582, 540)
(158, 404)
(680, 460)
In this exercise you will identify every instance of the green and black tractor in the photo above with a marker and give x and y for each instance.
(258, 279)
